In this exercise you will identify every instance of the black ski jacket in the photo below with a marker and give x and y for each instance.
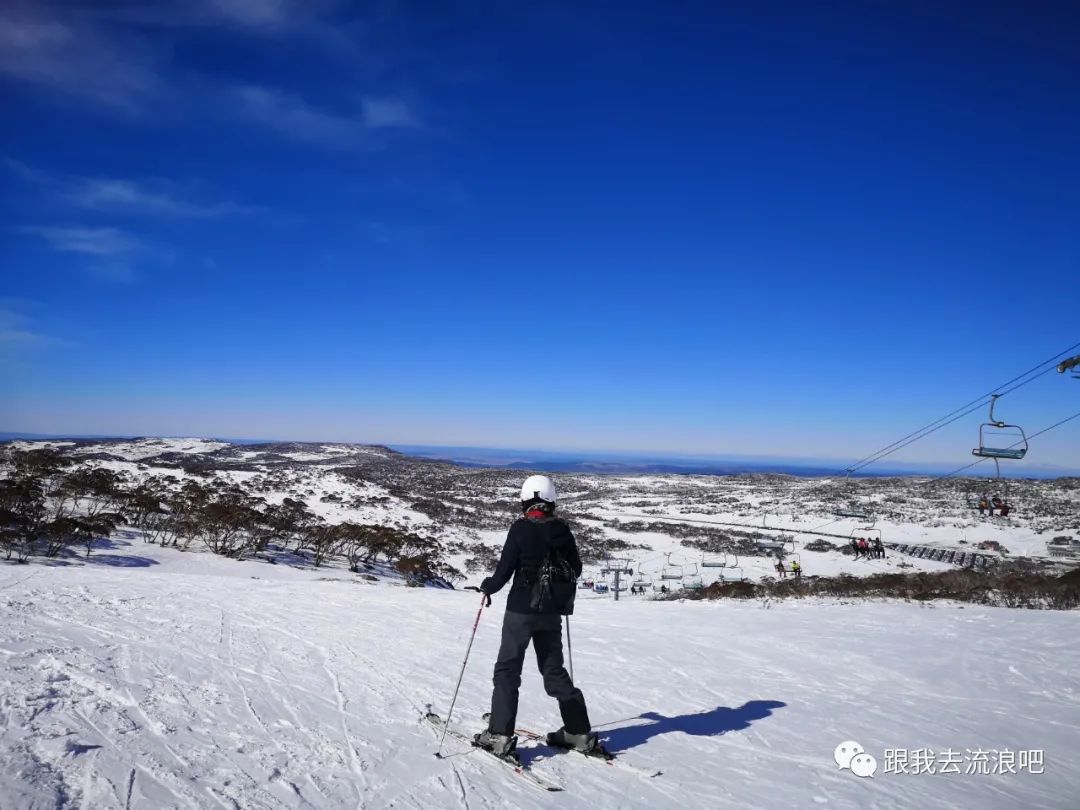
(526, 548)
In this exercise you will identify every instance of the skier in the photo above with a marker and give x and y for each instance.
(780, 569)
(796, 569)
(541, 555)
(879, 548)
(864, 548)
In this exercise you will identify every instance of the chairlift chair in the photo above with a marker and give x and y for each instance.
(713, 561)
(733, 573)
(692, 582)
(1001, 485)
(993, 436)
(670, 571)
(851, 511)
(771, 547)
(854, 514)
(869, 532)
(1071, 365)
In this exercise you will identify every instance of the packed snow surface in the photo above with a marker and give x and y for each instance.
(153, 678)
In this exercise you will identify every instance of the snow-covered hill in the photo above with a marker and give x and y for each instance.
(151, 678)
(656, 523)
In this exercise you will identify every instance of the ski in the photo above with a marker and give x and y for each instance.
(607, 758)
(438, 724)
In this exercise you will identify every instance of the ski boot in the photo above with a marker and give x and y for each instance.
(588, 744)
(501, 745)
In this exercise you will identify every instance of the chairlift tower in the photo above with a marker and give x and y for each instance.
(616, 567)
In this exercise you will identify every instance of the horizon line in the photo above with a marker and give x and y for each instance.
(914, 468)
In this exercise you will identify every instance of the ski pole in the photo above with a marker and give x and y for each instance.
(569, 649)
(485, 599)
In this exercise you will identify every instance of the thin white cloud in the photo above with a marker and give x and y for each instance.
(254, 16)
(380, 113)
(293, 116)
(79, 60)
(154, 197)
(110, 55)
(18, 335)
(109, 194)
(255, 13)
(98, 242)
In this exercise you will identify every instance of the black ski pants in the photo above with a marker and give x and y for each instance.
(545, 633)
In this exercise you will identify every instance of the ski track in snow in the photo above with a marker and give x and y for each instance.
(202, 682)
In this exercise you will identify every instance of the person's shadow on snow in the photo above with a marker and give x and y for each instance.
(711, 723)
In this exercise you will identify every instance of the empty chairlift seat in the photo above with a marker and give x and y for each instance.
(1000, 452)
(998, 439)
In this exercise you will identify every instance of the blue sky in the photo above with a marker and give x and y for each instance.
(770, 229)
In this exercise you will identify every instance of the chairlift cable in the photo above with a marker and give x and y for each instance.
(952, 416)
(924, 433)
(1015, 444)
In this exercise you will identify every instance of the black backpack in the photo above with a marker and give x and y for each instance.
(554, 587)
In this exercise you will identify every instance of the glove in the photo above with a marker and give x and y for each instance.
(486, 601)
(485, 586)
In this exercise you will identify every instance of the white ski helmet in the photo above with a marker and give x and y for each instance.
(537, 488)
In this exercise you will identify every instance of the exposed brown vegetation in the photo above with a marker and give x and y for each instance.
(1003, 588)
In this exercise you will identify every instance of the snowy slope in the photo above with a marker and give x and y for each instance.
(908, 510)
(151, 678)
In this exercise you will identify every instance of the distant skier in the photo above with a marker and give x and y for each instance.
(855, 547)
(541, 555)
(864, 548)
(796, 569)
(1004, 509)
(879, 548)
(780, 569)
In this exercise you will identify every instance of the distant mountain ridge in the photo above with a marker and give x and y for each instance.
(599, 463)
